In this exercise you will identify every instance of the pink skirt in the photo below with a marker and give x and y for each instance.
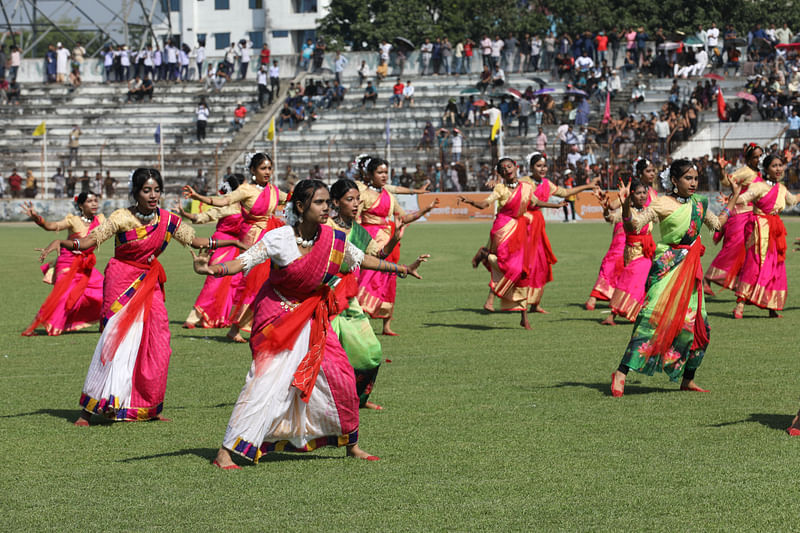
(762, 280)
(216, 299)
(724, 269)
(629, 291)
(611, 266)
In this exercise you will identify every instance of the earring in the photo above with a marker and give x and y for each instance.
(300, 219)
(675, 190)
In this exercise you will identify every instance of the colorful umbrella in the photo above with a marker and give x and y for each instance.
(545, 90)
(577, 91)
(746, 96)
(788, 46)
(540, 81)
(713, 76)
(513, 92)
(479, 103)
(470, 90)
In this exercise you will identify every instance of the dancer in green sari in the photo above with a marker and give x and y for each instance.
(352, 326)
(671, 333)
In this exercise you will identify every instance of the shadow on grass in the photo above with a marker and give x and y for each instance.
(474, 310)
(473, 327)
(605, 387)
(772, 421)
(210, 454)
(70, 415)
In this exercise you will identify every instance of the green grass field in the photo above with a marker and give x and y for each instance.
(485, 427)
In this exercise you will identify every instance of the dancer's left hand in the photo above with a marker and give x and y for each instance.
(412, 268)
(55, 245)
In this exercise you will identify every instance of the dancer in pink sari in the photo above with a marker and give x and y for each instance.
(506, 256)
(541, 257)
(762, 280)
(258, 201)
(724, 269)
(214, 304)
(77, 294)
(613, 262)
(300, 393)
(376, 292)
(127, 377)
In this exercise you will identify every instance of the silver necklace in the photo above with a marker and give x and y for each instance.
(769, 182)
(306, 243)
(376, 189)
(341, 223)
(145, 218)
(680, 199)
(87, 220)
(512, 185)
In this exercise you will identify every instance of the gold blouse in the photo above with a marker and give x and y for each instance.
(663, 206)
(246, 194)
(123, 220)
(373, 248)
(216, 213)
(759, 189)
(369, 197)
(555, 190)
(76, 225)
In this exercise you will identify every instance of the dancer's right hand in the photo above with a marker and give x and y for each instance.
(27, 208)
(55, 245)
(188, 192)
(200, 263)
(624, 190)
(412, 268)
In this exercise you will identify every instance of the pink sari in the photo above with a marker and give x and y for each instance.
(260, 216)
(724, 269)
(540, 257)
(127, 377)
(215, 301)
(629, 289)
(300, 393)
(77, 297)
(377, 290)
(762, 280)
(508, 241)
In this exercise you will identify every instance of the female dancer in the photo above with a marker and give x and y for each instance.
(258, 201)
(541, 257)
(127, 377)
(724, 269)
(377, 289)
(509, 246)
(628, 295)
(613, 262)
(77, 295)
(352, 325)
(300, 393)
(762, 280)
(213, 306)
(671, 332)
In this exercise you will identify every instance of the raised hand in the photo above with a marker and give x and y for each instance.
(412, 268)
(399, 228)
(55, 245)
(200, 263)
(624, 190)
(188, 192)
(27, 208)
(434, 204)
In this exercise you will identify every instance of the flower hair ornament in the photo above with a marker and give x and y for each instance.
(666, 182)
(225, 188)
(359, 160)
(290, 216)
(530, 156)
(75, 203)
(130, 182)
(636, 164)
(248, 158)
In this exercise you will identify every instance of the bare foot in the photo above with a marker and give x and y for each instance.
(488, 307)
(387, 327)
(707, 288)
(738, 311)
(354, 451)
(84, 419)
(690, 385)
(224, 460)
(372, 405)
(236, 338)
(523, 321)
(609, 321)
(774, 314)
(617, 384)
(590, 303)
(161, 418)
(189, 325)
(794, 429)
(539, 309)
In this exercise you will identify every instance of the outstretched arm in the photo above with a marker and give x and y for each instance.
(480, 204)
(411, 217)
(551, 205)
(226, 268)
(374, 263)
(38, 219)
(83, 243)
(216, 201)
(575, 190)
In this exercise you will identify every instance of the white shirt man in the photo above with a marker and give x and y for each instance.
(125, 57)
(261, 77)
(202, 113)
(713, 36)
(385, 49)
(62, 62)
(497, 48)
(245, 53)
(172, 53)
(200, 54)
(584, 63)
(408, 92)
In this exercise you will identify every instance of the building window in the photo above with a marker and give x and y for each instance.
(257, 38)
(201, 38)
(304, 6)
(171, 5)
(222, 4)
(280, 33)
(256, 4)
(222, 40)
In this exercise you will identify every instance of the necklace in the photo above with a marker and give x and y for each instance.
(341, 223)
(680, 199)
(769, 182)
(142, 217)
(376, 189)
(306, 243)
(85, 219)
(512, 185)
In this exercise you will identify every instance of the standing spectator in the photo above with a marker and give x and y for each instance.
(239, 116)
(497, 50)
(158, 64)
(338, 65)
(183, 60)
(408, 94)
(486, 51)
(370, 95)
(74, 144)
(602, 46)
(319, 54)
(244, 58)
(97, 183)
(263, 88)
(397, 94)
(458, 58)
(16, 60)
(71, 182)
(149, 69)
(549, 51)
(469, 52)
(400, 61)
(447, 55)
(31, 188)
(510, 52)
(385, 50)
(59, 181)
(264, 56)
(200, 183)
(456, 145)
(569, 182)
(2, 185)
(62, 65)
(85, 181)
(522, 111)
(426, 51)
(784, 34)
(662, 133)
(274, 80)
(230, 59)
(712, 39)
(524, 54)
(363, 73)
(793, 125)
(535, 53)
(125, 63)
(50, 63)
(15, 183)
(202, 112)
(541, 141)
(199, 58)
(108, 184)
(436, 56)
(305, 54)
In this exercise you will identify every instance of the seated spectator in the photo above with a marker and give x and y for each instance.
(370, 95)
(485, 79)
(75, 77)
(135, 89)
(498, 77)
(299, 113)
(381, 72)
(450, 113)
(338, 93)
(408, 94)
(428, 134)
(221, 77)
(13, 92)
(147, 87)
(239, 116)
(397, 94)
(286, 117)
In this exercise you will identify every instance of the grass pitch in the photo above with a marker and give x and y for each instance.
(485, 427)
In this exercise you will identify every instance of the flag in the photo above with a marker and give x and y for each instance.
(157, 135)
(271, 129)
(388, 132)
(40, 130)
(496, 127)
(607, 112)
(721, 111)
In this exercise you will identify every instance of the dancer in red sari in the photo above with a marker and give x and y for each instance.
(541, 257)
(762, 280)
(258, 201)
(300, 393)
(214, 304)
(127, 377)
(506, 256)
(376, 292)
(77, 294)
(613, 262)
(724, 269)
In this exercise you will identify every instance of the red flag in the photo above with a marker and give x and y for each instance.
(722, 112)
(607, 113)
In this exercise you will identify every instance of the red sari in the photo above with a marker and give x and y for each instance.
(377, 290)
(540, 256)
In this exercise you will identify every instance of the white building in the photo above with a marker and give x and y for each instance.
(283, 24)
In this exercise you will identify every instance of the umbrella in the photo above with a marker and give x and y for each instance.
(470, 90)
(479, 103)
(669, 45)
(513, 92)
(739, 41)
(746, 96)
(402, 42)
(713, 76)
(577, 91)
(693, 41)
(788, 46)
(544, 90)
(540, 81)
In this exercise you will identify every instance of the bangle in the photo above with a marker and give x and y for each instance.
(76, 244)
(223, 271)
(404, 273)
(212, 243)
(725, 211)
(38, 219)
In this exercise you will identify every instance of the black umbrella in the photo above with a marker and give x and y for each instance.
(402, 42)
(540, 81)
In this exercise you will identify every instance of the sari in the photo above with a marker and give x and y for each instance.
(77, 295)
(762, 280)
(671, 331)
(352, 325)
(508, 246)
(300, 391)
(127, 377)
(258, 207)
(377, 290)
(540, 257)
(637, 258)
(724, 269)
(215, 301)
